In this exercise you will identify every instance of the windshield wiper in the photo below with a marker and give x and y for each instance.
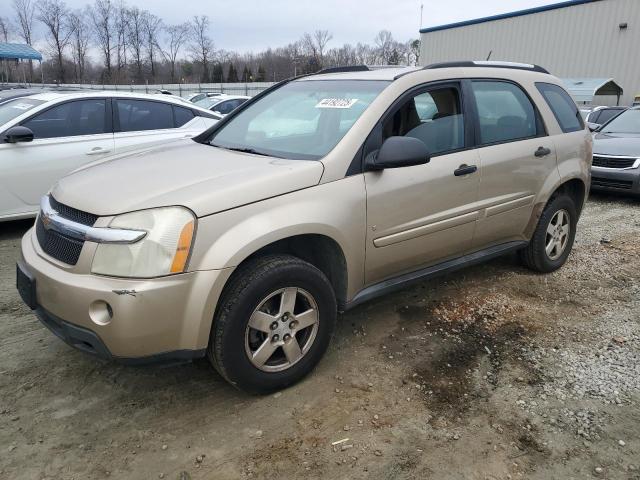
(245, 150)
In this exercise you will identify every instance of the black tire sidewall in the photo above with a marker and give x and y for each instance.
(230, 340)
(561, 202)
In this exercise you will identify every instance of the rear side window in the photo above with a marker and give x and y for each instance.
(70, 119)
(607, 114)
(505, 112)
(139, 115)
(182, 115)
(563, 107)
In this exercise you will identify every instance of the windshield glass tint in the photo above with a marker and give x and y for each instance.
(626, 122)
(14, 108)
(300, 120)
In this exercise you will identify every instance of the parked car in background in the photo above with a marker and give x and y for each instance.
(244, 244)
(222, 104)
(45, 136)
(616, 154)
(195, 97)
(636, 101)
(601, 115)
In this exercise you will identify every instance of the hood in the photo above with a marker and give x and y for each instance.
(622, 144)
(203, 178)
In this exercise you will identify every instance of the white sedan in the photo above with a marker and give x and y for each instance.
(45, 136)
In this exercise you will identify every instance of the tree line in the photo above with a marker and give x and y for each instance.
(136, 46)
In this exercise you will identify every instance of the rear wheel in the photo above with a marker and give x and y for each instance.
(274, 323)
(553, 238)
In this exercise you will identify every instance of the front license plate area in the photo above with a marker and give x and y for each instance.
(26, 286)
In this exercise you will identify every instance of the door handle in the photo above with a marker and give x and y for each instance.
(542, 152)
(465, 169)
(97, 151)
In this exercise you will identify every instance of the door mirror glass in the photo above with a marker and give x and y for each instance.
(18, 134)
(397, 152)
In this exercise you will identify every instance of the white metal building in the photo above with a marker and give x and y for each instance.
(572, 39)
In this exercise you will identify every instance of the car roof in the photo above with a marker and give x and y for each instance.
(386, 73)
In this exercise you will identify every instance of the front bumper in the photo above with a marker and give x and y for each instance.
(616, 180)
(166, 318)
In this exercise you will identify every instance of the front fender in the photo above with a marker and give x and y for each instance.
(336, 210)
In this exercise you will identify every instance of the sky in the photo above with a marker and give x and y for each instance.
(254, 25)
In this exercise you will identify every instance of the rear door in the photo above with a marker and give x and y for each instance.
(146, 123)
(516, 157)
(66, 136)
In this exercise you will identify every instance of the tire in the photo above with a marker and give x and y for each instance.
(535, 256)
(269, 283)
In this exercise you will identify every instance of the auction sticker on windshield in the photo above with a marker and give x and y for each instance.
(336, 103)
(22, 106)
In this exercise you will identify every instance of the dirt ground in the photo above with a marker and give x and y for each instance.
(490, 373)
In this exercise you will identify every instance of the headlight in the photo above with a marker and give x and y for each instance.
(163, 251)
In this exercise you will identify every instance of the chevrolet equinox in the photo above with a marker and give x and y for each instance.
(320, 193)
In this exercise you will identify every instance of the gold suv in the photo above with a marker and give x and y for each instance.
(318, 194)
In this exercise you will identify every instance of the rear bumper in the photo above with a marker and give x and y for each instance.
(615, 180)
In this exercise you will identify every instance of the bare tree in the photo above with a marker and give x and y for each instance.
(137, 38)
(201, 46)
(5, 29)
(101, 15)
(54, 15)
(120, 23)
(176, 35)
(152, 29)
(384, 44)
(25, 12)
(79, 43)
(321, 38)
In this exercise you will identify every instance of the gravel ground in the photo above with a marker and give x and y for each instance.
(490, 373)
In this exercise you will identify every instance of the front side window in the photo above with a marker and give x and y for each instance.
(505, 113)
(627, 122)
(70, 119)
(302, 120)
(563, 107)
(14, 108)
(435, 117)
(140, 115)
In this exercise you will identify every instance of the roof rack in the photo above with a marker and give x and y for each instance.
(492, 64)
(348, 68)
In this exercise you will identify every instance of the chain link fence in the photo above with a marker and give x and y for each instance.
(180, 89)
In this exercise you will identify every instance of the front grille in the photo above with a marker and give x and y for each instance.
(613, 162)
(611, 183)
(60, 246)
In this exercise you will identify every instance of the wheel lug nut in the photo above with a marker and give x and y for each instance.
(293, 324)
(286, 337)
(275, 338)
(274, 325)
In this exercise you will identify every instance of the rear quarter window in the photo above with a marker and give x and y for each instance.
(563, 107)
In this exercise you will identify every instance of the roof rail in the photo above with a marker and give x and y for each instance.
(492, 64)
(348, 68)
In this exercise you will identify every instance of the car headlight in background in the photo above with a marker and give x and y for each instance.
(163, 251)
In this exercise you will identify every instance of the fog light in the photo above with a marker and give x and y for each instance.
(100, 312)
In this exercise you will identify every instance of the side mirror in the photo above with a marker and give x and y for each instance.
(397, 152)
(593, 126)
(18, 134)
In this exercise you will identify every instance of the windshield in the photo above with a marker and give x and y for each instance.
(16, 107)
(301, 120)
(626, 122)
(206, 102)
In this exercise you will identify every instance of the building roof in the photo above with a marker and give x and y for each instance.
(519, 13)
(18, 51)
(584, 89)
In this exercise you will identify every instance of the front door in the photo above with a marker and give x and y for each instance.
(421, 215)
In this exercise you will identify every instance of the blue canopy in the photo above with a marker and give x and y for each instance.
(18, 51)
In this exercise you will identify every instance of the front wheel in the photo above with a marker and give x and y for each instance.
(553, 238)
(273, 324)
